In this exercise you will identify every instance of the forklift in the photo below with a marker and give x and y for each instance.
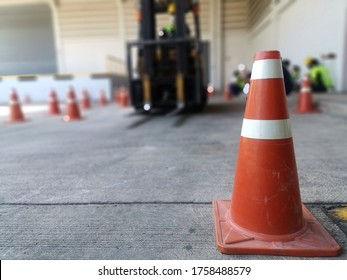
(165, 68)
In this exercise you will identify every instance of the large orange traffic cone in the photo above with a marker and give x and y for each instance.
(15, 110)
(85, 101)
(102, 98)
(53, 104)
(305, 103)
(265, 214)
(72, 110)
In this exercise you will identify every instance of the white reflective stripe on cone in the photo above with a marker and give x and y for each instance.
(267, 69)
(266, 129)
(70, 101)
(13, 102)
(305, 90)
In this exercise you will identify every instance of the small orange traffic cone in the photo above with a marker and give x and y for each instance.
(15, 109)
(227, 93)
(116, 95)
(53, 104)
(123, 97)
(305, 103)
(85, 102)
(265, 214)
(102, 98)
(72, 110)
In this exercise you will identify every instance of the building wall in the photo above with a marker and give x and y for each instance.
(234, 36)
(305, 28)
(90, 35)
(27, 40)
(101, 29)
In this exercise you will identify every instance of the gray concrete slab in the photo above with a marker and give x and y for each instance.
(142, 182)
(334, 104)
(120, 231)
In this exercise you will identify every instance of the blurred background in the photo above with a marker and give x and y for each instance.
(83, 37)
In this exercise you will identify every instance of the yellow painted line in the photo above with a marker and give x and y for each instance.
(340, 212)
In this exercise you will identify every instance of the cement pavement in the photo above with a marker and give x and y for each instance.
(120, 185)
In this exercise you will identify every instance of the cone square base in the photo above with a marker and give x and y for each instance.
(315, 241)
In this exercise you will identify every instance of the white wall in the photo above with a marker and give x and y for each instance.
(262, 37)
(236, 51)
(88, 32)
(305, 28)
(87, 55)
(27, 41)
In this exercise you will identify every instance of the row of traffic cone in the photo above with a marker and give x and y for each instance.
(72, 109)
(71, 99)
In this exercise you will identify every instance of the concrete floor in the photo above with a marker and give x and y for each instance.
(119, 185)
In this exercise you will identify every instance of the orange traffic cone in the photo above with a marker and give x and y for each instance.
(227, 93)
(305, 103)
(123, 97)
(85, 102)
(53, 104)
(72, 110)
(102, 98)
(116, 95)
(265, 214)
(15, 110)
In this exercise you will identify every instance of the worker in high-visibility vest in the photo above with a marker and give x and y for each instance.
(319, 75)
(169, 29)
(236, 83)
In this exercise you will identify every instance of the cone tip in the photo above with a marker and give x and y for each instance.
(273, 54)
(13, 95)
(71, 94)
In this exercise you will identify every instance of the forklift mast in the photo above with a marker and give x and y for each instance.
(169, 72)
